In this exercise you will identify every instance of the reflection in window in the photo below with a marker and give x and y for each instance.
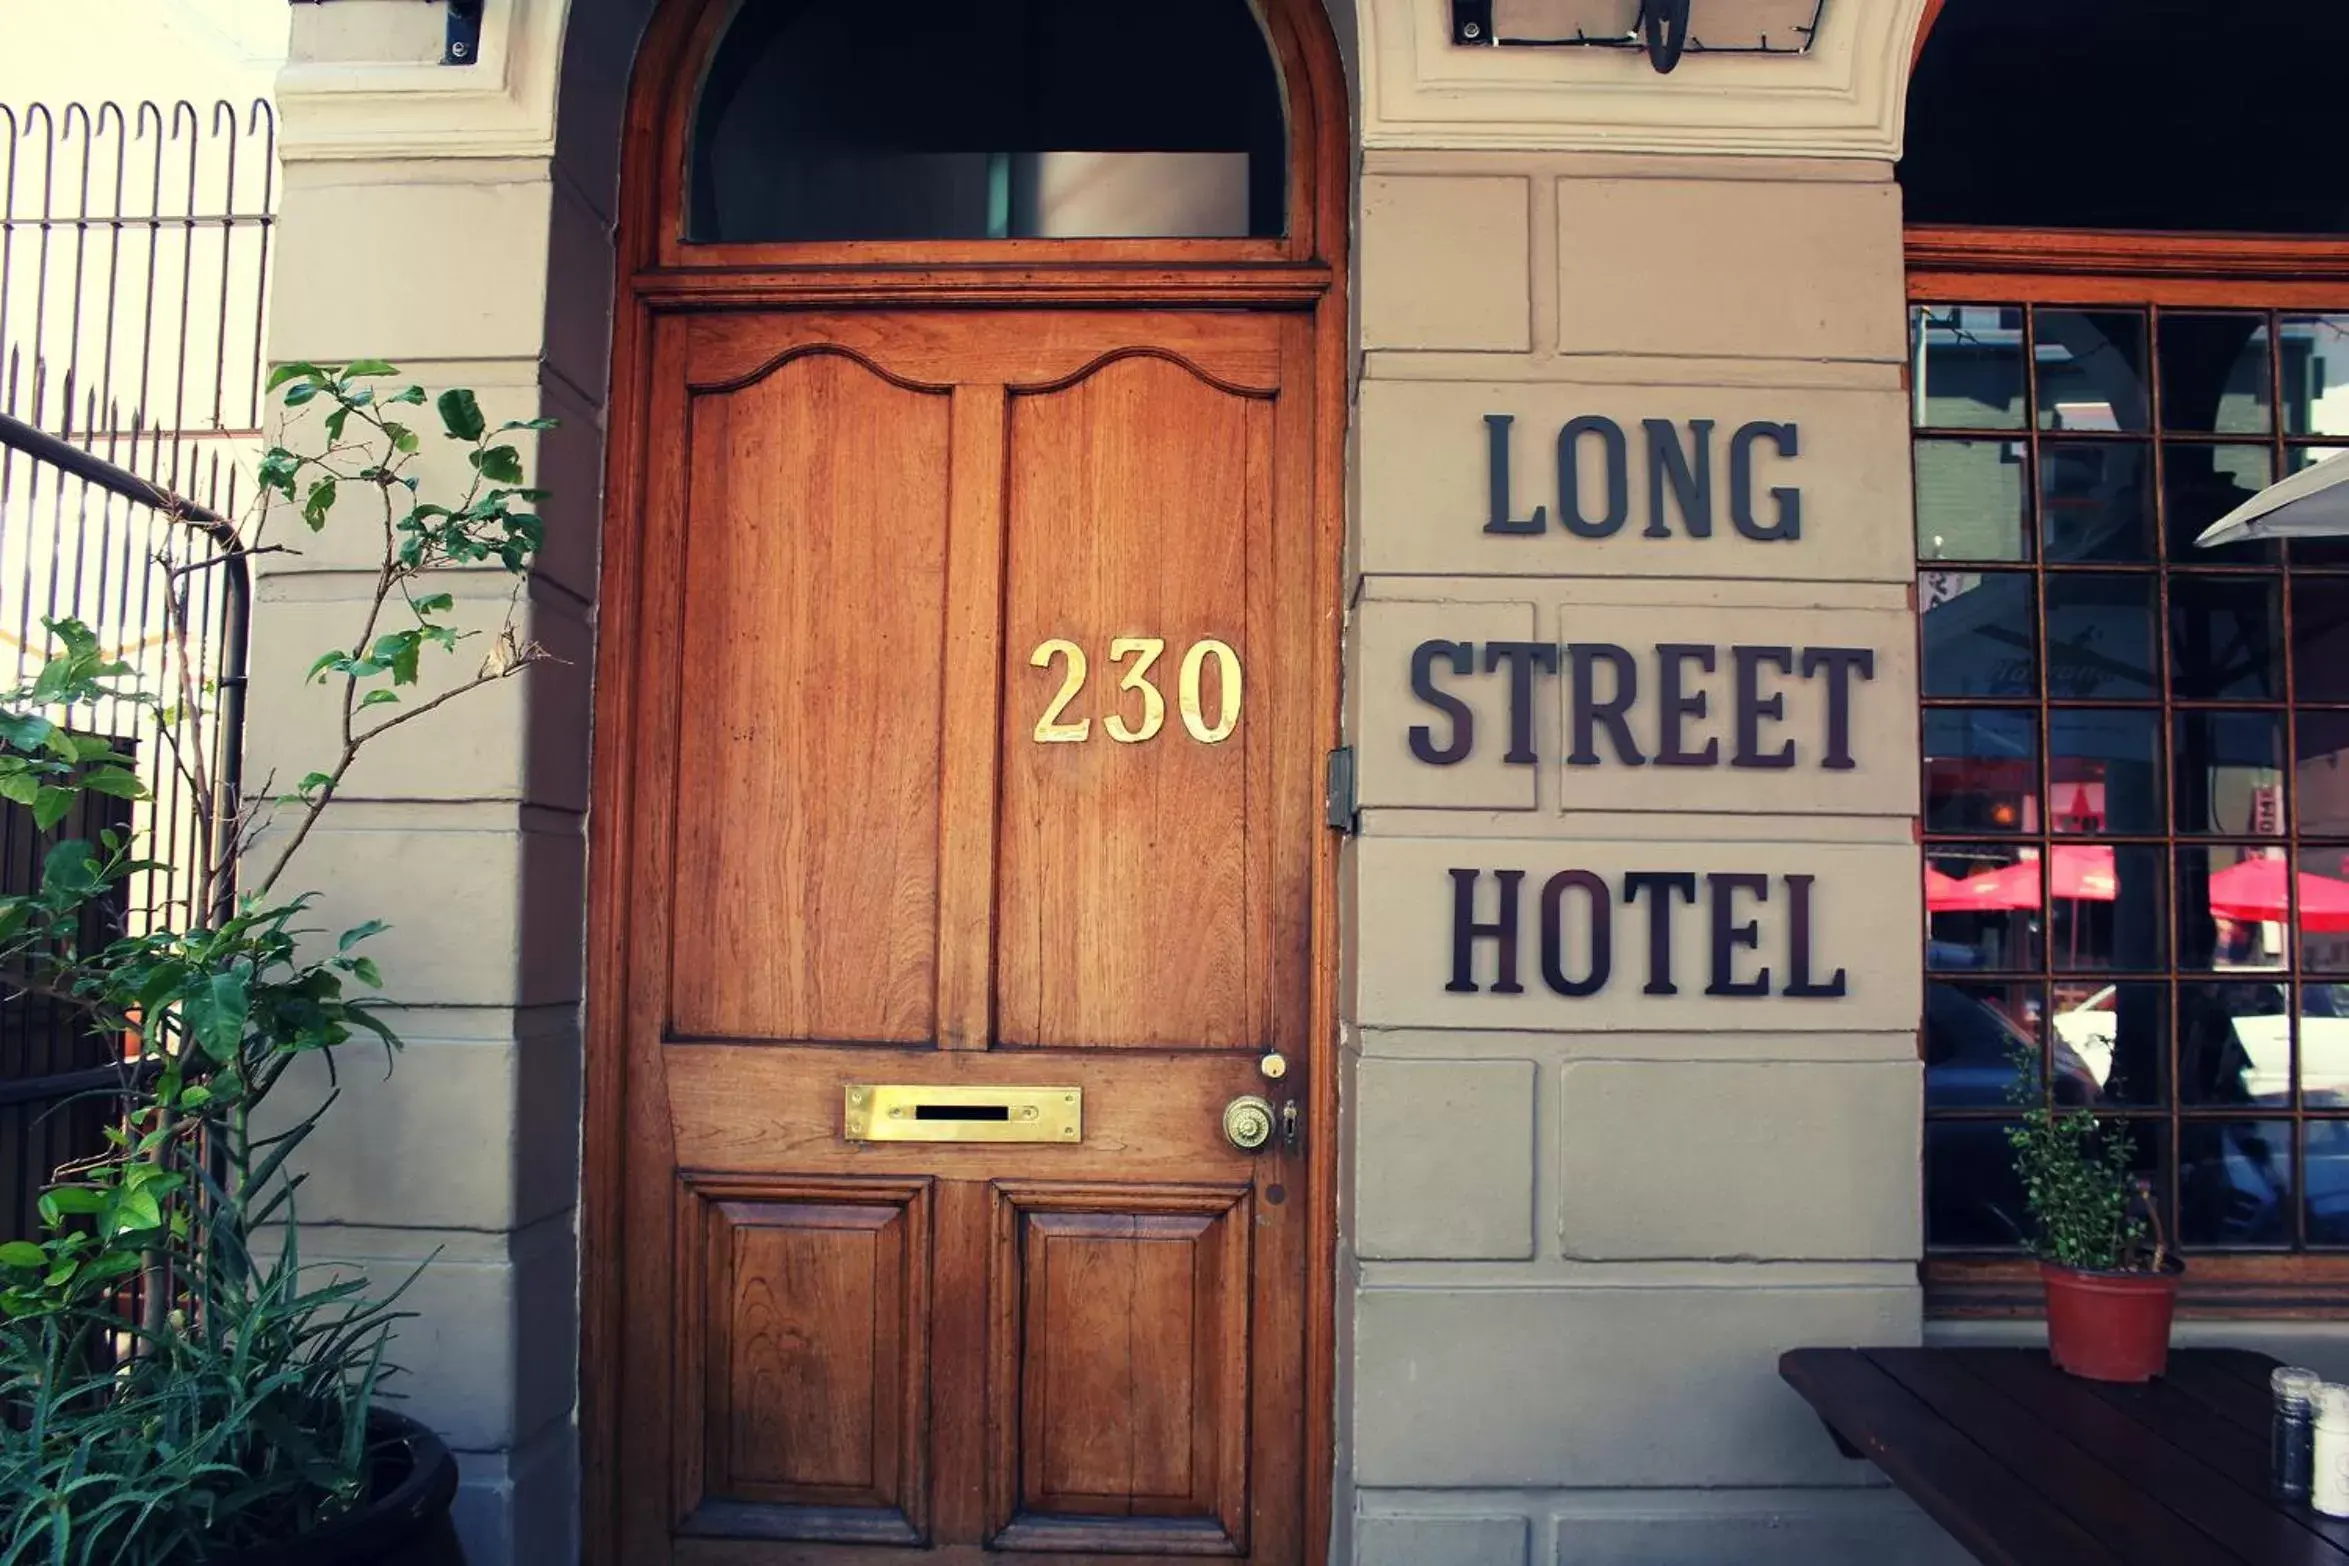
(2095, 501)
(1007, 119)
(1979, 634)
(2136, 771)
(2185, 127)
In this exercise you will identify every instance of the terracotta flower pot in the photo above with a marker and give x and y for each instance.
(2110, 1326)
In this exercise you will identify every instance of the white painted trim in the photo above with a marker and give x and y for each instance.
(503, 106)
(1844, 99)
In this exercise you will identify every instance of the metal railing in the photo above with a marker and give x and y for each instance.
(134, 273)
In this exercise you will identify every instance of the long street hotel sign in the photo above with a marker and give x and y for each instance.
(1658, 698)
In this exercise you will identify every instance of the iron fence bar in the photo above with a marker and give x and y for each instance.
(132, 333)
(91, 468)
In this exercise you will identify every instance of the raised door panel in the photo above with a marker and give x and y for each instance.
(1120, 1374)
(1133, 899)
(807, 773)
(808, 1306)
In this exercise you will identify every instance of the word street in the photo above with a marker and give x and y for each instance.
(1614, 714)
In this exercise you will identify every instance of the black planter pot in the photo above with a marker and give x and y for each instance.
(406, 1525)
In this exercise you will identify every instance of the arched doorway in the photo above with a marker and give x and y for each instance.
(2128, 253)
(967, 661)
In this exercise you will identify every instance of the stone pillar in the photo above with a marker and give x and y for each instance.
(428, 219)
(1594, 1198)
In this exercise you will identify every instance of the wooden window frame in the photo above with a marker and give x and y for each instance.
(1958, 265)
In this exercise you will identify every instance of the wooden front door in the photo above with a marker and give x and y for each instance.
(977, 744)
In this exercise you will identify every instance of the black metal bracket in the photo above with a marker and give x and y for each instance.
(1660, 29)
(464, 34)
(1664, 23)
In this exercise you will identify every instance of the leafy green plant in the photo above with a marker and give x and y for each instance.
(2089, 1208)
(230, 1407)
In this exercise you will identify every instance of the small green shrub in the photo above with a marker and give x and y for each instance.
(2088, 1207)
(231, 1407)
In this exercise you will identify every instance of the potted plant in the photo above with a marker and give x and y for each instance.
(2111, 1281)
(177, 1386)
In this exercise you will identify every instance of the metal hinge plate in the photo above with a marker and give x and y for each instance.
(1339, 795)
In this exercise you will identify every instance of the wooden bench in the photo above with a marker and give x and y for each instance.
(2025, 1465)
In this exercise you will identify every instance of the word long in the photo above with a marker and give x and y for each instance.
(1584, 963)
(1687, 676)
(1595, 447)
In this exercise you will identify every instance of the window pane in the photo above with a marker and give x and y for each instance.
(2324, 1045)
(2321, 781)
(2200, 484)
(2104, 767)
(1968, 365)
(2100, 637)
(2229, 773)
(2322, 890)
(2235, 1183)
(2095, 501)
(2224, 637)
(948, 119)
(2316, 374)
(2116, 1035)
(2214, 374)
(2091, 370)
(1973, 1199)
(2235, 1042)
(2320, 638)
(1975, 1032)
(2324, 552)
(1982, 903)
(1970, 500)
(2326, 1197)
(2108, 908)
(2231, 908)
(1981, 770)
(1979, 634)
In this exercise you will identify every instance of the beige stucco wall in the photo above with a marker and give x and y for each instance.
(1577, 1233)
(1584, 1226)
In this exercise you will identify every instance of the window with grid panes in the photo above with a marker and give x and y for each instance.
(2136, 761)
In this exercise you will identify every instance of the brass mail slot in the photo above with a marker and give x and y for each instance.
(920, 1112)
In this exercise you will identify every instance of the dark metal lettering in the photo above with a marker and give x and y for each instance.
(1466, 932)
(1462, 657)
(1661, 885)
(1602, 933)
(1729, 936)
(1691, 479)
(1523, 658)
(1670, 752)
(1789, 523)
(1798, 957)
(1840, 663)
(1753, 707)
(1590, 712)
(1496, 443)
(1570, 483)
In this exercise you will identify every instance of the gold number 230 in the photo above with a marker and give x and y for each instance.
(1145, 652)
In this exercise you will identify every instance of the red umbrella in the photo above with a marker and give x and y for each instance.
(2080, 872)
(1946, 893)
(2254, 890)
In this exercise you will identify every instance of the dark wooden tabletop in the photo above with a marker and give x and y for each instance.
(2027, 1466)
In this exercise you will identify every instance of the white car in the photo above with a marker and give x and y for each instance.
(2089, 1030)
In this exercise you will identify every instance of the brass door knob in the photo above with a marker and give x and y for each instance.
(1247, 1122)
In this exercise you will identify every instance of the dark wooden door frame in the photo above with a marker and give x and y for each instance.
(658, 274)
